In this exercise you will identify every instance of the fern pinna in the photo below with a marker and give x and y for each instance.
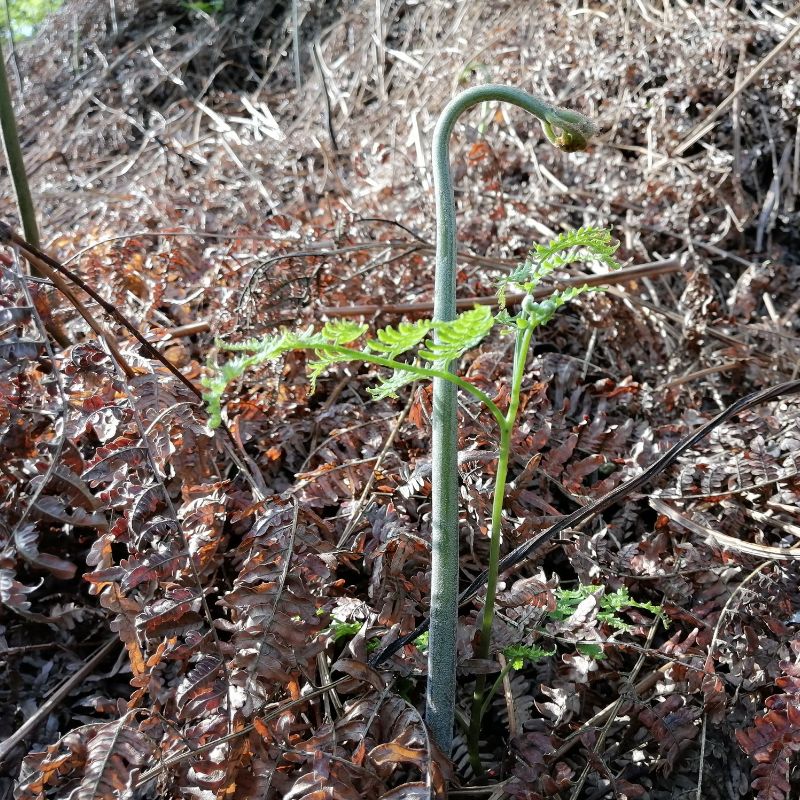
(773, 741)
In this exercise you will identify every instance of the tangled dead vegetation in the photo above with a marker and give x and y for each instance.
(205, 181)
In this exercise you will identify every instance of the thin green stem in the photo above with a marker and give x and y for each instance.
(484, 646)
(423, 372)
(473, 735)
(495, 687)
(16, 164)
(522, 345)
(22, 192)
(520, 357)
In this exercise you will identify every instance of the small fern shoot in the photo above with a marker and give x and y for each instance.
(587, 244)
(427, 349)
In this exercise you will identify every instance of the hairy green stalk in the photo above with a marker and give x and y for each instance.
(575, 131)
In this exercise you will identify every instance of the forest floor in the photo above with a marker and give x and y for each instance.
(175, 600)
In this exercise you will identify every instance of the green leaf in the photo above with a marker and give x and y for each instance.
(518, 654)
(247, 346)
(567, 600)
(213, 401)
(585, 244)
(337, 333)
(536, 314)
(340, 630)
(251, 353)
(453, 339)
(598, 240)
(343, 331)
(456, 337)
(302, 340)
(391, 342)
(324, 359)
(612, 604)
(594, 651)
(389, 386)
(609, 605)
(220, 375)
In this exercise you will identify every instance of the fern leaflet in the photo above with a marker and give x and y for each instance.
(585, 244)
(391, 342)
(453, 339)
(343, 331)
(390, 385)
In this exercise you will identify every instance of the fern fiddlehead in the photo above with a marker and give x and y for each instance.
(569, 131)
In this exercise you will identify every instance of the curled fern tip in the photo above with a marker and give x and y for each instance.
(575, 130)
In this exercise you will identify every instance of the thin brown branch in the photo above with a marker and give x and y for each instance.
(46, 271)
(55, 699)
(621, 276)
(7, 235)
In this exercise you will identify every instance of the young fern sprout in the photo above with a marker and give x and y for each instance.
(437, 344)
(430, 348)
(569, 131)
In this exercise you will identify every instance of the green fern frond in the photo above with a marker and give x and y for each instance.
(213, 397)
(389, 386)
(251, 353)
(343, 331)
(584, 244)
(560, 297)
(220, 375)
(301, 340)
(453, 339)
(517, 654)
(536, 314)
(324, 359)
(598, 240)
(391, 342)
(247, 346)
(610, 604)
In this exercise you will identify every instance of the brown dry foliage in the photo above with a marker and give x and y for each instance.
(222, 563)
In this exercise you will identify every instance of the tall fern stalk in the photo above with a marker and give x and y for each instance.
(430, 349)
(574, 133)
(16, 164)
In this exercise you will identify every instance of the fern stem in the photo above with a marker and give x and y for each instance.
(522, 345)
(423, 372)
(473, 735)
(16, 163)
(22, 193)
(575, 132)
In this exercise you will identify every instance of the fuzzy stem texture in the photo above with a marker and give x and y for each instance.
(574, 133)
